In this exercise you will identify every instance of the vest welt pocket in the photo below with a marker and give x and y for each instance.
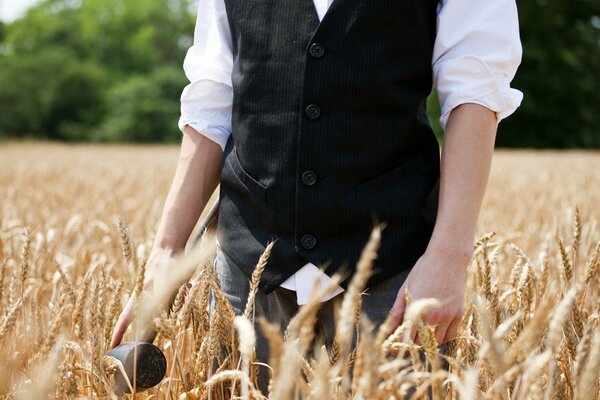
(251, 184)
(408, 167)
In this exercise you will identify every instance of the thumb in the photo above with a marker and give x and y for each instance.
(397, 310)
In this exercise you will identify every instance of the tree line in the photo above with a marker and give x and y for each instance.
(111, 70)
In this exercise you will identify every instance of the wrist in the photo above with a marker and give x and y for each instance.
(458, 250)
(168, 246)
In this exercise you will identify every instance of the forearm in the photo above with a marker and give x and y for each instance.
(465, 166)
(196, 177)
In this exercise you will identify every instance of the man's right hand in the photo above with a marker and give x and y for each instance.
(158, 260)
(196, 177)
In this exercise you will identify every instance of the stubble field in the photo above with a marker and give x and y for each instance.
(530, 329)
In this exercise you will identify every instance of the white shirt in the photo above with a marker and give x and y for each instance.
(475, 57)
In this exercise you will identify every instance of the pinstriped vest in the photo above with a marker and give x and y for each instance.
(329, 135)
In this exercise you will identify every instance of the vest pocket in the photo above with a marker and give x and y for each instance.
(251, 184)
(408, 167)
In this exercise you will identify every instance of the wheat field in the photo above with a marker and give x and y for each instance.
(77, 221)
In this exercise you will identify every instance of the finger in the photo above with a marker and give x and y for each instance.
(121, 326)
(452, 330)
(119, 331)
(118, 334)
(440, 332)
(397, 311)
(414, 336)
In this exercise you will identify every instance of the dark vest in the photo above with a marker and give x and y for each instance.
(329, 135)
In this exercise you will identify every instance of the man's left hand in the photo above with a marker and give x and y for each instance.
(441, 275)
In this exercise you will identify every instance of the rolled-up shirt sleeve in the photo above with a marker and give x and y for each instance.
(476, 55)
(206, 101)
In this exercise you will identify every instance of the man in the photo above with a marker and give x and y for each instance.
(311, 115)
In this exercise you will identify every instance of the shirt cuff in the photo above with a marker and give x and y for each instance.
(216, 134)
(206, 107)
(469, 79)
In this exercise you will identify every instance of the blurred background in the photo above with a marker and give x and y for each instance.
(111, 71)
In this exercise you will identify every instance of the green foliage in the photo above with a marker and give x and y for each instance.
(78, 101)
(95, 69)
(433, 114)
(559, 75)
(124, 36)
(51, 94)
(144, 108)
(111, 70)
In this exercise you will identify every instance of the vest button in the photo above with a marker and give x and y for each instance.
(309, 178)
(316, 50)
(308, 242)
(312, 111)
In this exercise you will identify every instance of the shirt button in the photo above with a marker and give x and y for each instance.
(309, 178)
(316, 50)
(312, 111)
(308, 242)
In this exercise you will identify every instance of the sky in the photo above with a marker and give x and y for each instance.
(13, 9)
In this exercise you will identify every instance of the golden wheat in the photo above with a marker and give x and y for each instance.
(77, 223)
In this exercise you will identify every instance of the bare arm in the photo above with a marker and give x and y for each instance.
(196, 177)
(466, 160)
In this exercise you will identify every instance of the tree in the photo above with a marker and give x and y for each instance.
(69, 67)
(112, 70)
(144, 108)
(559, 75)
(50, 94)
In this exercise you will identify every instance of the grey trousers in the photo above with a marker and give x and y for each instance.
(280, 306)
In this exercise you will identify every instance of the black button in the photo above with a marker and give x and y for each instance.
(308, 242)
(313, 111)
(316, 50)
(309, 178)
